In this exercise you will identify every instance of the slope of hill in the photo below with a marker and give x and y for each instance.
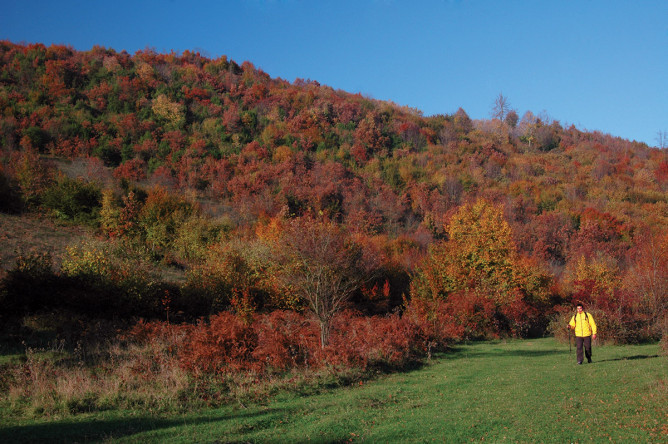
(179, 154)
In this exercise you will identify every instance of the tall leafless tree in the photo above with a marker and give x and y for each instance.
(662, 139)
(501, 107)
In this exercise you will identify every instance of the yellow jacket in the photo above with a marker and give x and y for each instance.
(584, 324)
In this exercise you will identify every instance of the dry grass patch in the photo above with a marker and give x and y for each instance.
(34, 233)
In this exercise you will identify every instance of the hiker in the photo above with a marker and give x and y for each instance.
(585, 330)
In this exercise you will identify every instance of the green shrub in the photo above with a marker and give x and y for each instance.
(73, 200)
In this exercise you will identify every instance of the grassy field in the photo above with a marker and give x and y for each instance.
(515, 391)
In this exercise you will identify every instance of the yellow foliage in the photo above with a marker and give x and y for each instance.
(210, 127)
(480, 253)
(482, 244)
(604, 272)
(86, 259)
(32, 174)
(168, 110)
(109, 213)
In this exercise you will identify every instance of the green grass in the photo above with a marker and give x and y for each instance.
(515, 391)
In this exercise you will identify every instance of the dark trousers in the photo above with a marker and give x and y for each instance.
(579, 343)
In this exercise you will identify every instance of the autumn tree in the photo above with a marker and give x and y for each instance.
(462, 121)
(318, 262)
(480, 261)
(73, 200)
(249, 147)
(32, 175)
(171, 112)
(512, 118)
(109, 212)
(161, 218)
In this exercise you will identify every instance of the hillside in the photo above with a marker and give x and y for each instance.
(183, 160)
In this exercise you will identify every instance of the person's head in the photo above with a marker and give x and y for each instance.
(579, 307)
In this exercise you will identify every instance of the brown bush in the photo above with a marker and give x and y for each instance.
(436, 322)
(375, 341)
(224, 344)
(285, 340)
(282, 341)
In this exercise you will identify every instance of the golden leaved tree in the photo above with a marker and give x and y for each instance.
(480, 259)
(479, 253)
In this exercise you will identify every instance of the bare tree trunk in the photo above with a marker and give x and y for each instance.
(325, 328)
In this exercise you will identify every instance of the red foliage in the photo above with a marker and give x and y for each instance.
(196, 93)
(360, 341)
(144, 331)
(127, 125)
(146, 149)
(54, 80)
(129, 214)
(600, 233)
(520, 316)
(435, 320)
(133, 169)
(616, 313)
(231, 118)
(552, 236)
(474, 313)
(224, 344)
(74, 147)
(162, 176)
(283, 340)
(359, 152)
(369, 132)
(254, 151)
(258, 145)
(175, 139)
(217, 173)
(98, 95)
(661, 172)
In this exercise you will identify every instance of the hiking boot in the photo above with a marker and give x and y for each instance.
(588, 360)
(579, 363)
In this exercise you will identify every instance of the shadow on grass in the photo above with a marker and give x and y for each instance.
(94, 430)
(629, 358)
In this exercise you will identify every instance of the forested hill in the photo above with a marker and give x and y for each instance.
(244, 150)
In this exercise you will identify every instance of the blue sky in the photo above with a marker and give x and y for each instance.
(600, 65)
